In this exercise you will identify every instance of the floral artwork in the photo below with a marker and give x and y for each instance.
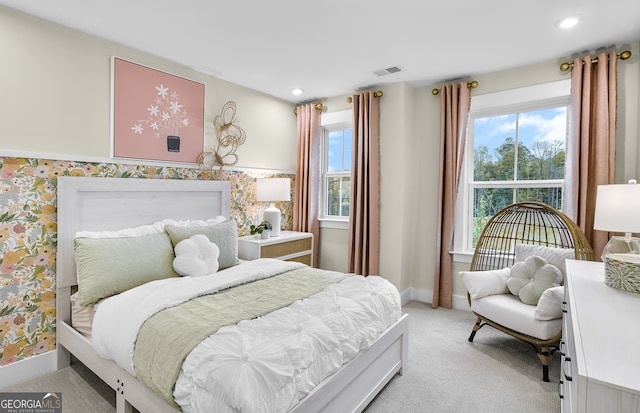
(156, 115)
(166, 115)
(28, 239)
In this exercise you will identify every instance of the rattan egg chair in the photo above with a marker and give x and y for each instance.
(531, 223)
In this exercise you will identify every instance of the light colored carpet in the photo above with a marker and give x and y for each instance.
(82, 391)
(446, 373)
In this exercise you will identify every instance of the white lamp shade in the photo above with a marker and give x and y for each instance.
(273, 189)
(618, 208)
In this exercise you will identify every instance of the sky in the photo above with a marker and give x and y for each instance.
(538, 125)
(337, 141)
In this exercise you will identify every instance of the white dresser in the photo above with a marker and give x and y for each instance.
(600, 346)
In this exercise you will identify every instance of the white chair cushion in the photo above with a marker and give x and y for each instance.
(484, 283)
(554, 256)
(550, 305)
(507, 310)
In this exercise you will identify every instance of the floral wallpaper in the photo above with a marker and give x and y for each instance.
(28, 233)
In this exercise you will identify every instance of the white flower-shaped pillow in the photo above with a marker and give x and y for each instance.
(530, 278)
(196, 256)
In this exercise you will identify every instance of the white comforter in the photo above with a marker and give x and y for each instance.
(262, 365)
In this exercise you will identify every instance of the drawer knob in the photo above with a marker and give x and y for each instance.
(560, 389)
(567, 363)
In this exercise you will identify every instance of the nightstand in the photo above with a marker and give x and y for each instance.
(289, 246)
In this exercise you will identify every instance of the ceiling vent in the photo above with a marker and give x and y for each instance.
(388, 71)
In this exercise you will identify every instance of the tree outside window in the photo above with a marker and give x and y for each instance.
(337, 172)
(516, 157)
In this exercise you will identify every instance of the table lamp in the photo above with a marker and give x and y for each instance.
(272, 190)
(618, 210)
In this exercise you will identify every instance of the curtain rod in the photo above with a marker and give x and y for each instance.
(377, 94)
(622, 56)
(471, 85)
(318, 106)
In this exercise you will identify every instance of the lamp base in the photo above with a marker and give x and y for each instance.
(272, 216)
(621, 257)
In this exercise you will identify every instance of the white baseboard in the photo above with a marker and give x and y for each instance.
(459, 302)
(32, 367)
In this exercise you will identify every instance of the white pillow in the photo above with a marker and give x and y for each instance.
(223, 234)
(194, 222)
(196, 256)
(530, 278)
(550, 305)
(483, 283)
(554, 256)
(155, 228)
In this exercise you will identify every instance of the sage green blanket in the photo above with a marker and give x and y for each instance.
(167, 338)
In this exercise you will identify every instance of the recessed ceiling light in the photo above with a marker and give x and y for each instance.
(297, 91)
(567, 22)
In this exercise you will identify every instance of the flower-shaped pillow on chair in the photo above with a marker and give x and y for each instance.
(531, 277)
(196, 256)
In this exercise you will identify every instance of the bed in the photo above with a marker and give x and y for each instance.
(112, 204)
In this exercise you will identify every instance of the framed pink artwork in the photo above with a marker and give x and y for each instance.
(155, 115)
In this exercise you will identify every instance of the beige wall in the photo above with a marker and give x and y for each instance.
(410, 122)
(628, 129)
(395, 131)
(628, 125)
(55, 100)
(333, 248)
(55, 86)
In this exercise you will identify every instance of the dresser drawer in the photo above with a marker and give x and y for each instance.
(568, 386)
(601, 341)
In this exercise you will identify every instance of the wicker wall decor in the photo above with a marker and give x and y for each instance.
(230, 136)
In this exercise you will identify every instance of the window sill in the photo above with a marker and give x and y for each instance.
(462, 256)
(334, 223)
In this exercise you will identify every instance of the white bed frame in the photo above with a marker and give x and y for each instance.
(101, 204)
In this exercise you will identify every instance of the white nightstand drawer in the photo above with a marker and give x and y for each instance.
(289, 246)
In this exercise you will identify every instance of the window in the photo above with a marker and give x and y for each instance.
(336, 165)
(515, 152)
(337, 172)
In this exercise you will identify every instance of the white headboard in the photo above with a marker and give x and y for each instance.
(103, 204)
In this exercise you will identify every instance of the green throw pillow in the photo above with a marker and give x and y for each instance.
(224, 235)
(530, 278)
(108, 266)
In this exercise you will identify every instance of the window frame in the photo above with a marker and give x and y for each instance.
(513, 101)
(332, 121)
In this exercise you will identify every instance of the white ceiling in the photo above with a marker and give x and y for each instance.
(333, 47)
